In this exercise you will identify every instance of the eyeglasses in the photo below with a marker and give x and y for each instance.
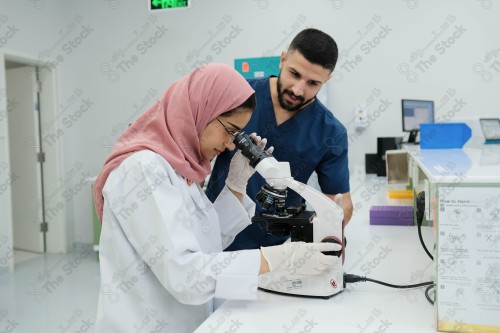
(233, 133)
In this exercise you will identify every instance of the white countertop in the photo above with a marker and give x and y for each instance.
(480, 164)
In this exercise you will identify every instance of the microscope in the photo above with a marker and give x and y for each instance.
(324, 224)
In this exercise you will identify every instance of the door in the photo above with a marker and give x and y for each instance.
(26, 186)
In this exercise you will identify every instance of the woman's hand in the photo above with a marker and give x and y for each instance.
(240, 170)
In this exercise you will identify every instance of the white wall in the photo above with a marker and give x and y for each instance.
(116, 29)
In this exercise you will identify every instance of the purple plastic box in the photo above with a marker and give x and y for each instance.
(391, 215)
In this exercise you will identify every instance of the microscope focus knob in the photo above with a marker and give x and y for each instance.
(332, 239)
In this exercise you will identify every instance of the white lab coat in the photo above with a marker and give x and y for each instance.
(160, 250)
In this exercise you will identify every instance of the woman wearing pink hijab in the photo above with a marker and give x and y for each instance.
(161, 242)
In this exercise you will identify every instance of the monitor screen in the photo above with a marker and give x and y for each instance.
(415, 113)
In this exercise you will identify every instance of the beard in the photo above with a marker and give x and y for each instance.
(285, 104)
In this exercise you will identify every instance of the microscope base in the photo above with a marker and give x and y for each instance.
(324, 285)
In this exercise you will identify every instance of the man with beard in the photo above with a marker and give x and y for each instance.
(301, 129)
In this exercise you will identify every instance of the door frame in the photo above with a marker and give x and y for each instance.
(59, 230)
(23, 122)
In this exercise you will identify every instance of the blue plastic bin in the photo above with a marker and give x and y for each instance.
(444, 135)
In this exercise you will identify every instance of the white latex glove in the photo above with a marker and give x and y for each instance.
(301, 258)
(239, 168)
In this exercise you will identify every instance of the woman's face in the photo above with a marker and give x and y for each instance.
(216, 137)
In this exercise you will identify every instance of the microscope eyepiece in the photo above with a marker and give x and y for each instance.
(249, 149)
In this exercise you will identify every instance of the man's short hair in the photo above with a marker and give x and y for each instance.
(317, 47)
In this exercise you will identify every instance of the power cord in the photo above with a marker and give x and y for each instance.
(427, 293)
(420, 218)
(351, 278)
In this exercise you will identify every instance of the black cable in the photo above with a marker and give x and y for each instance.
(422, 241)
(420, 216)
(427, 293)
(351, 278)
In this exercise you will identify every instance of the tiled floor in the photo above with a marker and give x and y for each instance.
(50, 293)
(22, 256)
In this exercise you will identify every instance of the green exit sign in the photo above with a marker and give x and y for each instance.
(157, 5)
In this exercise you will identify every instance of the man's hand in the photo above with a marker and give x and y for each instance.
(344, 201)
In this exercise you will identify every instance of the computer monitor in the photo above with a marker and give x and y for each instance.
(416, 112)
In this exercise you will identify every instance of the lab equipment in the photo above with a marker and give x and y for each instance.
(462, 200)
(444, 135)
(491, 130)
(376, 163)
(414, 113)
(400, 194)
(324, 224)
(391, 215)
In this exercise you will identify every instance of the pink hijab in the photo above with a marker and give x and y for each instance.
(173, 125)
